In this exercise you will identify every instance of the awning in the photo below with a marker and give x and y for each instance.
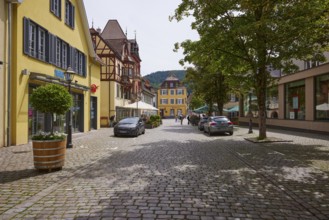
(141, 105)
(56, 80)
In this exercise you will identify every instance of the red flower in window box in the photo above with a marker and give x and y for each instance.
(93, 88)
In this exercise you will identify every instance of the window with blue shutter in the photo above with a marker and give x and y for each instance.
(56, 7)
(69, 14)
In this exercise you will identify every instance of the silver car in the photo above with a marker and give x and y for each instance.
(218, 124)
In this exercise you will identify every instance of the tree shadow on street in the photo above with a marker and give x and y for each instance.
(200, 179)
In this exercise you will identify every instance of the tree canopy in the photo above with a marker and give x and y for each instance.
(247, 37)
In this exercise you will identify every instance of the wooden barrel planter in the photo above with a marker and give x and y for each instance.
(49, 155)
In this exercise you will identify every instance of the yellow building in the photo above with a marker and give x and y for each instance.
(51, 36)
(3, 72)
(172, 96)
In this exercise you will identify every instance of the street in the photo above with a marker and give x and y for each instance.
(171, 172)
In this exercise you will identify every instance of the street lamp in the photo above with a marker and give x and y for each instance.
(69, 75)
(250, 114)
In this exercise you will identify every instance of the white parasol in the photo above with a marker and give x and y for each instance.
(323, 107)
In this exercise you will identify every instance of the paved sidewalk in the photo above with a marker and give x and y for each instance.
(171, 172)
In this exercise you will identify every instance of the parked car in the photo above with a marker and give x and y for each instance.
(131, 126)
(201, 123)
(218, 124)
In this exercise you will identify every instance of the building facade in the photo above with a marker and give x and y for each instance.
(50, 37)
(172, 98)
(148, 93)
(120, 74)
(3, 68)
(299, 101)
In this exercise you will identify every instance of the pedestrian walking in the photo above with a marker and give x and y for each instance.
(188, 119)
(181, 118)
(112, 121)
(176, 117)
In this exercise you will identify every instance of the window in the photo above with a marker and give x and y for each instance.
(172, 101)
(172, 92)
(171, 85)
(322, 97)
(118, 91)
(180, 92)
(64, 55)
(35, 40)
(55, 7)
(58, 52)
(42, 45)
(295, 100)
(179, 101)
(69, 14)
(163, 101)
(164, 92)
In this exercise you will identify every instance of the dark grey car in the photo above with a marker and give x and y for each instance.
(132, 126)
(218, 124)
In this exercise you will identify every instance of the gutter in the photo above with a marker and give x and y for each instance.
(10, 43)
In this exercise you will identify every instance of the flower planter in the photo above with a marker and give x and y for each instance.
(149, 126)
(49, 155)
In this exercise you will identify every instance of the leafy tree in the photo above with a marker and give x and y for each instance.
(51, 98)
(257, 34)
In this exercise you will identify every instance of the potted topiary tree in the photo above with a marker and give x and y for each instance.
(49, 148)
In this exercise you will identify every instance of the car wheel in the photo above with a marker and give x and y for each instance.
(231, 132)
(204, 131)
(143, 131)
(209, 132)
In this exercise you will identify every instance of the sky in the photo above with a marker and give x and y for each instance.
(149, 19)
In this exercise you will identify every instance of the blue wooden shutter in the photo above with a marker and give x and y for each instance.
(26, 37)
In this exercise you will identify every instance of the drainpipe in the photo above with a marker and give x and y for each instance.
(10, 33)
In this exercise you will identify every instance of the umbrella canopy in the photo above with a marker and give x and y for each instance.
(204, 109)
(233, 109)
(323, 107)
(141, 105)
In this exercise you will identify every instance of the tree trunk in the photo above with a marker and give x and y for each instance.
(261, 99)
(241, 105)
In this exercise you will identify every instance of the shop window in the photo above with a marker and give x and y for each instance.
(295, 100)
(272, 104)
(322, 97)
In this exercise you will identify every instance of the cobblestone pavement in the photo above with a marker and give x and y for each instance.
(172, 172)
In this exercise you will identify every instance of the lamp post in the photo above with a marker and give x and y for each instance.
(69, 75)
(250, 114)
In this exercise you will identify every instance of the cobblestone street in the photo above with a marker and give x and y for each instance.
(171, 172)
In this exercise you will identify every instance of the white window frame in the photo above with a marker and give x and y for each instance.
(164, 92)
(164, 101)
(180, 101)
(179, 92)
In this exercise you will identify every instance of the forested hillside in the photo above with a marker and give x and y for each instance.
(158, 77)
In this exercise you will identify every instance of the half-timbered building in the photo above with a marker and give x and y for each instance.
(120, 74)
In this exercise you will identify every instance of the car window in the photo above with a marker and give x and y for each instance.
(129, 121)
(220, 119)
